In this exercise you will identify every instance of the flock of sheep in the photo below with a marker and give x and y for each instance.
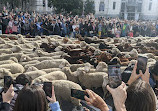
(17, 56)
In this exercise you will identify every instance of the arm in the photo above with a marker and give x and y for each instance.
(119, 96)
(54, 105)
(96, 101)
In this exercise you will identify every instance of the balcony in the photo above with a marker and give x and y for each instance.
(131, 3)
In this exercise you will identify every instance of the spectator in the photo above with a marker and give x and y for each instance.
(30, 98)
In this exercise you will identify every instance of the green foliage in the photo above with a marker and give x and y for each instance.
(89, 7)
(67, 6)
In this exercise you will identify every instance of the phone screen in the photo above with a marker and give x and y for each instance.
(7, 82)
(141, 64)
(47, 87)
(114, 75)
(79, 94)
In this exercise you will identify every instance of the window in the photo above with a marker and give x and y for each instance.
(101, 6)
(123, 6)
(150, 6)
(114, 5)
(139, 7)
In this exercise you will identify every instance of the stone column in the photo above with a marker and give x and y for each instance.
(39, 5)
(46, 5)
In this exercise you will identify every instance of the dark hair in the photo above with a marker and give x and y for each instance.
(154, 69)
(24, 79)
(140, 97)
(31, 98)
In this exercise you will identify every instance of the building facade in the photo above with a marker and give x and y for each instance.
(40, 6)
(127, 9)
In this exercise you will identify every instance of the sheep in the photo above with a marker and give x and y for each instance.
(14, 68)
(105, 82)
(63, 90)
(133, 53)
(151, 62)
(56, 75)
(42, 58)
(71, 76)
(97, 52)
(41, 53)
(14, 59)
(2, 41)
(7, 56)
(51, 70)
(83, 44)
(25, 58)
(102, 67)
(6, 62)
(7, 45)
(35, 74)
(30, 62)
(4, 72)
(21, 40)
(5, 51)
(59, 48)
(115, 51)
(52, 64)
(92, 80)
(15, 49)
(149, 55)
(74, 67)
(32, 68)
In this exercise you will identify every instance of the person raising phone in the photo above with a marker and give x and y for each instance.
(30, 98)
(139, 96)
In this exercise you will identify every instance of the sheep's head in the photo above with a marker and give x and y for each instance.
(101, 66)
(31, 68)
(64, 64)
(4, 72)
(25, 58)
(66, 70)
(14, 59)
(16, 49)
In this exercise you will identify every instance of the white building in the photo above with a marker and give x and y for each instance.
(40, 6)
(127, 9)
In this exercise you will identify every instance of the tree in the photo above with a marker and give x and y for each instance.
(75, 7)
(89, 7)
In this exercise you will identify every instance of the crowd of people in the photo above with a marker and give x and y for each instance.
(18, 22)
(136, 93)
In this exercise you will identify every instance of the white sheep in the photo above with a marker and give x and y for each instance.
(63, 90)
(71, 76)
(14, 68)
(56, 75)
(6, 62)
(102, 67)
(4, 72)
(32, 68)
(35, 74)
(133, 53)
(92, 80)
(2, 41)
(42, 58)
(7, 56)
(51, 70)
(52, 64)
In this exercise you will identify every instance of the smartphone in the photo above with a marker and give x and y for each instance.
(114, 75)
(7, 82)
(47, 87)
(141, 64)
(79, 94)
